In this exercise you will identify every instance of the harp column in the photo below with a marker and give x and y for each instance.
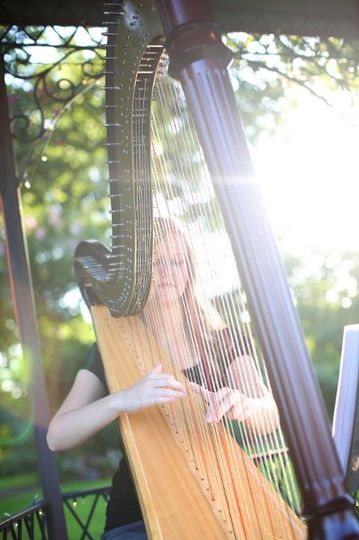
(199, 59)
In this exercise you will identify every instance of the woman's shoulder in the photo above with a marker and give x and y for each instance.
(92, 362)
(92, 354)
(232, 342)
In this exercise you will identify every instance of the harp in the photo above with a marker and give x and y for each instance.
(216, 492)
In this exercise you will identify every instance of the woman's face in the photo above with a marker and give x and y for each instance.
(170, 269)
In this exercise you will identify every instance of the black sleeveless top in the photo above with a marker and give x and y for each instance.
(123, 506)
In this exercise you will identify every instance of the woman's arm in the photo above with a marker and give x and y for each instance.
(85, 411)
(260, 410)
(245, 399)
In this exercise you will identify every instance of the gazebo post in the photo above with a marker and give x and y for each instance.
(24, 307)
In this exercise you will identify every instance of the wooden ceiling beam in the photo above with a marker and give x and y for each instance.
(302, 17)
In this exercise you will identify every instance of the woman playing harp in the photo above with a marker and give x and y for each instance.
(227, 378)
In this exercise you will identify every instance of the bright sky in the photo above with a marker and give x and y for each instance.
(309, 177)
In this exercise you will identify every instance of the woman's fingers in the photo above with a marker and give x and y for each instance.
(159, 379)
(165, 380)
(156, 387)
(227, 402)
(219, 405)
(195, 387)
(163, 387)
(217, 402)
(198, 389)
(156, 369)
(157, 395)
(166, 392)
(158, 400)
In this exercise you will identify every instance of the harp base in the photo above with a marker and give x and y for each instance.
(219, 498)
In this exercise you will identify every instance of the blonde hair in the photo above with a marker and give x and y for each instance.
(192, 301)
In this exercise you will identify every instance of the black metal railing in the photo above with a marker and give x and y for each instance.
(31, 523)
(28, 524)
(83, 521)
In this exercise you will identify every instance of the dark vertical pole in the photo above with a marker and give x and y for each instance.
(199, 60)
(24, 306)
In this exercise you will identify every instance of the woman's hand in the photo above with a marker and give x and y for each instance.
(226, 402)
(84, 411)
(260, 415)
(155, 388)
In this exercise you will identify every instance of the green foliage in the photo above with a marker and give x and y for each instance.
(266, 66)
(326, 294)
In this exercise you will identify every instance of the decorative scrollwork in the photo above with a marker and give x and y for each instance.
(46, 69)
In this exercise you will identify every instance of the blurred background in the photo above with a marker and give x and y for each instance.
(298, 99)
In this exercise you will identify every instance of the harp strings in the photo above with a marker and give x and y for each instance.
(219, 449)
(153, 319)
(171, 100)
(204, 329)
(179, 322)
(171, 322)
